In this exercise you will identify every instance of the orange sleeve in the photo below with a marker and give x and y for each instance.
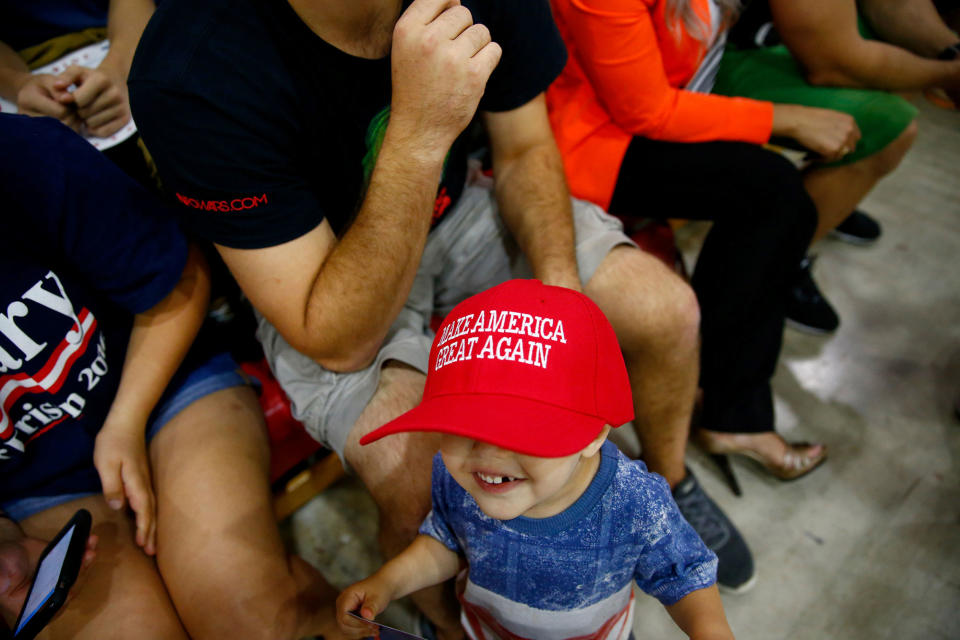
(617, 44)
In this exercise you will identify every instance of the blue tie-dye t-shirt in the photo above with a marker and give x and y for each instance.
(570, 575)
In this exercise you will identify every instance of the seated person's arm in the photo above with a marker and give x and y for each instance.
(14, 73)
(620, 53)
(912, 24)
(100, 98)
(334, 299)
(618, 49)
(424, 563)
(160, 338)
(531, 192)
(126, 21)
(823, 37)
(34, 95)
(700, 615)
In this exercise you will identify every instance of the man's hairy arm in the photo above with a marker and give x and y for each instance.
(531, 191)
(823, 36)
(912, 24)
(334, 300)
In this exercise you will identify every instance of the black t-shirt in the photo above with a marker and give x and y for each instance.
(84, 248)
(260, 129)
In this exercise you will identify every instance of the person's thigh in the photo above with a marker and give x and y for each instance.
(120, 595)
(647, 303)
(772, 74)
(729, 182)
(218, 546)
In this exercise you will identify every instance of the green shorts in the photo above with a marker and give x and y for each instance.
(772, 74)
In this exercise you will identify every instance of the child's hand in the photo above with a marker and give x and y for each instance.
(40, 95)
(370, 596)
(120, 455)
(100, 97)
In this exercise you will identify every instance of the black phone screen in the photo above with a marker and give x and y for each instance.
(56, 572)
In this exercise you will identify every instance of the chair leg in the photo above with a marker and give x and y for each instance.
(307, 484)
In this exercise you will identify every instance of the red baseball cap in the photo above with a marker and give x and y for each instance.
(528, 367)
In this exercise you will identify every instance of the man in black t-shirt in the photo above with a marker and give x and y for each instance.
(320, 147)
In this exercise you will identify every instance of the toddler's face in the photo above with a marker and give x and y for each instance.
(507, 484)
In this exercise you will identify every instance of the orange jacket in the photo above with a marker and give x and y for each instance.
(621, 80)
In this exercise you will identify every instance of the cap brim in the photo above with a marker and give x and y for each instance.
(518, 424)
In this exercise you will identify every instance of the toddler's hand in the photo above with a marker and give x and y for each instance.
(370, 597)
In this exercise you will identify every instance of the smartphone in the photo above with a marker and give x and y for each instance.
(388, 633)
(57, 570)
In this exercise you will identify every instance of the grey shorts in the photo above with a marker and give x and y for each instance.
(470, 251)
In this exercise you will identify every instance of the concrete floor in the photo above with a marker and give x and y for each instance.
(867, 546)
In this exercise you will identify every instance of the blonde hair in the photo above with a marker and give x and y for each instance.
(682, 10)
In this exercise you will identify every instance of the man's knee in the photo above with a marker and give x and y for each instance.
(677, 317)
(649, 305)
(275, 617)
(258, 599)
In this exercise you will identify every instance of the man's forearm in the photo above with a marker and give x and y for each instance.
(912, 24)
(823, 36)
(535, 204)
(892, 68)
(365, 281)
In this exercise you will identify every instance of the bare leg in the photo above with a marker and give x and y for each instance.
(218, 547)
(397, 471)
(837, 190)
(656, 317)
(120, 595)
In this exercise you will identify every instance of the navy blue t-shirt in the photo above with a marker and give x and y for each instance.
(84, 249)
(260, 129)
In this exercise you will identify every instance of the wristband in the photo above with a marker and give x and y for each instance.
(950, 53)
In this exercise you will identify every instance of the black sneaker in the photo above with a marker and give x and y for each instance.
(858, 228)
(735, 571)
(807, 309)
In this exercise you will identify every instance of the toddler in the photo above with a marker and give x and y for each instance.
(554, 522)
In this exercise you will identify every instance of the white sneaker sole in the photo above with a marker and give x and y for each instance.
(851, 239)
(743, 588)
(805, 328)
